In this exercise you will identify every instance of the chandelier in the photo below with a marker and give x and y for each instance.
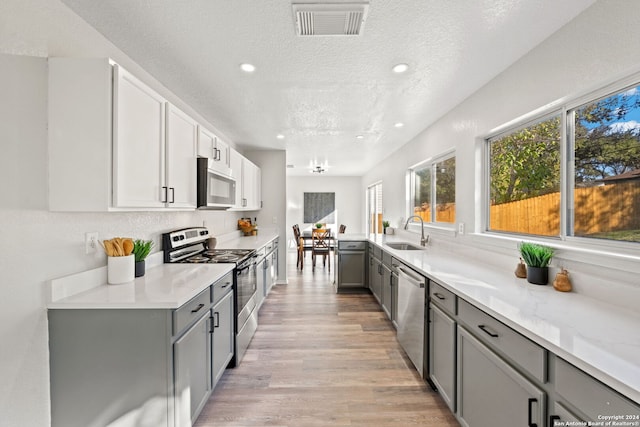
(318, 169)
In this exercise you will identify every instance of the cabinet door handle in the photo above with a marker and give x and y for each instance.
(216, 321)
(198, 308)
(173, 195)
(439, 296)
(488, 332)
(530, 412)
(553, 419)
(165, 194)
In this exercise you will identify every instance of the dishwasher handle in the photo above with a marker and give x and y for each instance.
(417, 281)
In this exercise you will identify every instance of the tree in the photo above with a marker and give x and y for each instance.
(606, 145)
(526, 163)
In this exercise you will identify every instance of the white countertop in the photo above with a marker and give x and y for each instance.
(167, 286)
(599, 338)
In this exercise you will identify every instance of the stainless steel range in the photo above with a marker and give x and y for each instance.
(189, 245)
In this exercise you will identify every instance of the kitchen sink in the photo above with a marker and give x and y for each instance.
(404, 246)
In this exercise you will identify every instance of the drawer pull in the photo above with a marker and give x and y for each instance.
(487, 331)
(198, 308)
(530, 412)
(225, 285)
(439, 296)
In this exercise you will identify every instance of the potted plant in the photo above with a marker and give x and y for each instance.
(537, 258)
(319, 225)
(385, 225)
(141, 249)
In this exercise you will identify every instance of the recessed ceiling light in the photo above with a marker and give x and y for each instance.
(359, 137)
(280, 136)
(400, 68)
(248, 68)
(399, 125)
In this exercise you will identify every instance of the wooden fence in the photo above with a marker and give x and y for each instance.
(601, 209)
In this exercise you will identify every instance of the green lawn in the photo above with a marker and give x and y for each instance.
(626, 235)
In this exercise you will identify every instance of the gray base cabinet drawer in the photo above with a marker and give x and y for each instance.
(222, 287)
(191, 310)
(522, 351)
(352, 246)
(588, 395)
(444, 298)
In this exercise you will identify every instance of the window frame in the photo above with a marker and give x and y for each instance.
(411, 182)
(617, 250)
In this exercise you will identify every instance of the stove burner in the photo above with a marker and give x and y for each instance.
(197, 259)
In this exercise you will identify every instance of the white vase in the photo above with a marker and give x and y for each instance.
(120, 269)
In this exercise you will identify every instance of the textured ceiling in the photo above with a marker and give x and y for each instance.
(321, 92)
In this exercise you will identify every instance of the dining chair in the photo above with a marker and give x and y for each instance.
(321, 246)
(301, 246)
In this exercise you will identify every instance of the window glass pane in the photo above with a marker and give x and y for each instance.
(422, 193)
(607, 168)
(446, 190)
(524, 180)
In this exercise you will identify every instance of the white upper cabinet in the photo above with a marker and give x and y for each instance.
(115, 143)
(181, 177)
(138, 144)
(206, 143)
(248, 183)
(214, 148)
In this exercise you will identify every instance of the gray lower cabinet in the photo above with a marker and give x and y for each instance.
(351, 262)
(386, 295)
(490, 392)
(222, 335)
(442, 354)
(192, 371)
(375, 279)
(134, 367)
(588, 398)
(560, 415)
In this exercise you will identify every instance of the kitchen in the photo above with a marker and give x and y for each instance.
(36, 29)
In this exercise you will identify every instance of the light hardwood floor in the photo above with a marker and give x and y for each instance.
(321, 359)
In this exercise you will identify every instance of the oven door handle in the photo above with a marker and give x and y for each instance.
(245, 267)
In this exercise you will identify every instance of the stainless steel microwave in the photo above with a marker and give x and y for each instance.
(215, 190)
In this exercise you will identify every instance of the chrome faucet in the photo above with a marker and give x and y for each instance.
(423, 240)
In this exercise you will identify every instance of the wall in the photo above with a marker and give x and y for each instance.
(349, 200)
(274, 199)
(589, 52)
(37, 245)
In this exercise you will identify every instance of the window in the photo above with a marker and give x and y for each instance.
(599, 183)
(524, 180)
(606, 178)
(433, 189)
(374, 208)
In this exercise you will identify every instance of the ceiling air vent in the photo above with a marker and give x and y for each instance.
(330, 19)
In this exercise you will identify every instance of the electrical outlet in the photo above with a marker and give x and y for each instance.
(90, 242)
(461, 228)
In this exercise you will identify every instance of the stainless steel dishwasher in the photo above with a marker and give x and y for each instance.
(411, 321)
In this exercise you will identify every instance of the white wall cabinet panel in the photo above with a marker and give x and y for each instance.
(181, 183)
(138, 144)
(248, 182)
(206, 143)
(212, 147)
